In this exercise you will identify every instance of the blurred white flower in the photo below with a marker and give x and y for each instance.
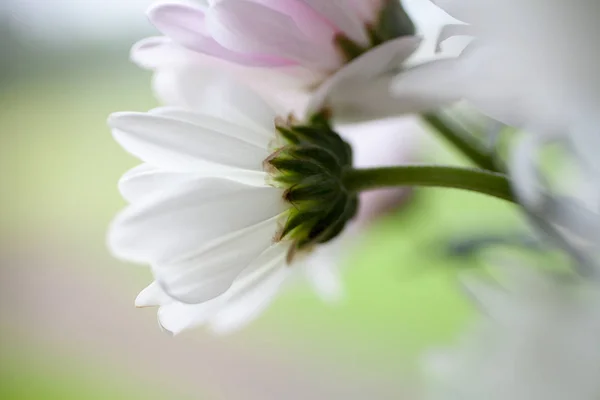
(209, 218)
(342, 53)
(537, 340)
(531, 64)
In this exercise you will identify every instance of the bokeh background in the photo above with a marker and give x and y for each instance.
(68, 328)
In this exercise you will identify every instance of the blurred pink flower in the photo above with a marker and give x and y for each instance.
(339, 53)
(269, 32)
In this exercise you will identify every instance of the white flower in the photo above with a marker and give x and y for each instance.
(293, 51)
(537, 339)
(208, 218)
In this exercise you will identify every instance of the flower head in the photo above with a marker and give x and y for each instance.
(222, 206)
(317, 47)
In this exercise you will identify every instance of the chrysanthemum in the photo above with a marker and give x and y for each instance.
(227, 204)
(340, 52)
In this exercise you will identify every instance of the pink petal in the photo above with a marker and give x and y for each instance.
(186, 25)
(310, 22)
(343, 17)
(252, 28)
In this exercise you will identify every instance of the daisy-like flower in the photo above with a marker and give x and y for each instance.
(342, 53)
(537, 339)
(225, 208)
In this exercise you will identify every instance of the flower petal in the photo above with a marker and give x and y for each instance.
(209, 90)
(182, 146)
(181, 22)
(177, 317)
(252, 292)
(238, 305)
(152, 296)
(451, 30)
(166, 228)
(463, 10)
(252, 28)
(146, 181)
(210, 271)
(185, 24)
(360, 90)
(310, 22)
(260, 138)
(159, 51)
(344, 17)
(323, 272)
(429, 85)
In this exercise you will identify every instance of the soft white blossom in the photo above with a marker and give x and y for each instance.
(204, 213)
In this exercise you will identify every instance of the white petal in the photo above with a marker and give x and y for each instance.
(179, 145)
(178, 317)
(322, 268)
(463, 10)
(261, 138)
(430, 85)
(449, 31)
(159, 52)
(227, 311)
(146, 181)
(209, 90)
(361, 88)
(152, 296)
(210, 271)
(254, 290)
(326, 281)
(165, 228)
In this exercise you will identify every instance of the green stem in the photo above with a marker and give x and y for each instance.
(462, 141)
(475, 180)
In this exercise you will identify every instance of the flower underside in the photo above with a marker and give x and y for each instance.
(309, 166)
(392, 22)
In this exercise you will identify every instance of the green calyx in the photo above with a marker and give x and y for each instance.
(309, 166)
(392, 22)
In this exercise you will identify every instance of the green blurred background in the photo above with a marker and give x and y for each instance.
(68, 326)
